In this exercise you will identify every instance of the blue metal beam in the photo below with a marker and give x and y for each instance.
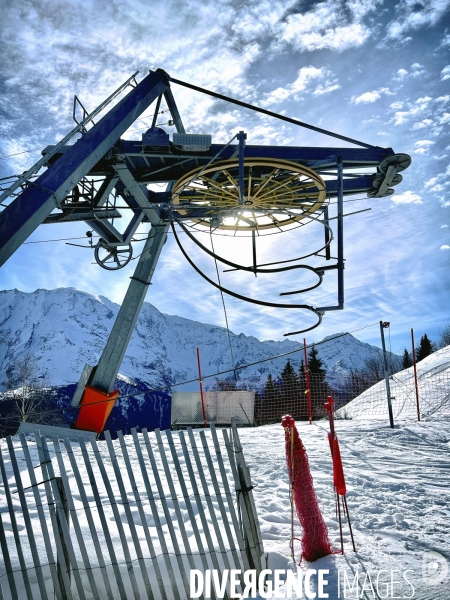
(37, 201)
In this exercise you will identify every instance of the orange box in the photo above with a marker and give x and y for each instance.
(96, 406)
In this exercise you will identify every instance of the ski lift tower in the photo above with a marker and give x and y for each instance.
(236, 188)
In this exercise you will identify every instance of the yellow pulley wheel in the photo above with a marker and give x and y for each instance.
(276, 193)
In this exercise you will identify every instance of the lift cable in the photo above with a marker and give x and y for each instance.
(240, 367)
(224, 309)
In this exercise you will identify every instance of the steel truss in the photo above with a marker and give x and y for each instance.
(87, 180)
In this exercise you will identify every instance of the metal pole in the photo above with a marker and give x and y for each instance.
(308, 390)
(415, 374)
(327, 234)
(205, 424)
(63, 561)
(242, 136)
(383, 325)
(340, 232)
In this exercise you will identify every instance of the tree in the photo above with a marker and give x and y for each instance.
(288, 372)
(375, 366)
(406, 359)
(426, 347)
(444, 337)
(315, 363)
(269, 402)
(27, 397)
(318, 385)
(290, 392)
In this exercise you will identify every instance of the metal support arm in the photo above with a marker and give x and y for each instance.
(104, 375)
(36, 202)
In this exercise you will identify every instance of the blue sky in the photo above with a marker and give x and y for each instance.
(372, 70)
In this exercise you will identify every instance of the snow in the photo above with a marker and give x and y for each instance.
(398, 485)
(398, 490)
(433, 376)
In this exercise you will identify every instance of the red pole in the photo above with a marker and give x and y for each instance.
(415, 374)
(307, 391)
(201, 389)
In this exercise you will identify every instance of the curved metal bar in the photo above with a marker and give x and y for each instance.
(250, 269)
(246, 298)
(315, 253)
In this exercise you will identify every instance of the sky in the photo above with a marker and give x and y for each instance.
(378, 71)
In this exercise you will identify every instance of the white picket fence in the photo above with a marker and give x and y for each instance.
(123, 519)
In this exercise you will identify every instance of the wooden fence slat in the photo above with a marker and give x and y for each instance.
(7, 560)
(118, 520)
(198, 501)
(243, 488)
(28, 524)
(184, 470)
(129, 515)
(155, 515)
(241, 505)
(41, 514)
(187, 499)
(59, 521)
(174, 499)
(12, 514)
(237, 557)
(103, 521)
(165, 508)
(239, 454)
(88, 513)
(142, 516)
(231, 450)
(207, 496)
(76, 524)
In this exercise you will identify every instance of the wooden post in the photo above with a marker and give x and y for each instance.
(415, 374)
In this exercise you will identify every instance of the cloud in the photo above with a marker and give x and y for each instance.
(445, 41)
(445, 73)
(444, 226)
(306, 75)
(401, 116)
(402, 73)
(445, 247)
(326, 89)
(407, 197)
(422, 146)
(443, 99)
(414, 15)
(369, 97)
(417, 70)
(335, 25)
(422, 124)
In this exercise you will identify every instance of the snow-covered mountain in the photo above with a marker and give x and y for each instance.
(66, 328)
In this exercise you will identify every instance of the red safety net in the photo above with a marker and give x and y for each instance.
(315, 542)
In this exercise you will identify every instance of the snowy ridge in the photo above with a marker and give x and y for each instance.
(433, 377)
(66, 328)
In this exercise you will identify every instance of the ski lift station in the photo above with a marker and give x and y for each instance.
(234, 188)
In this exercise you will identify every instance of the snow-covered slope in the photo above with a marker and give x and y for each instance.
(65, 328)
(433, 382)
(398, 491)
